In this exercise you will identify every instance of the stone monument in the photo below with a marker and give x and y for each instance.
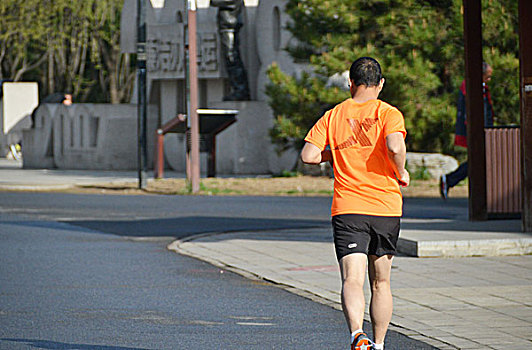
(237, 41)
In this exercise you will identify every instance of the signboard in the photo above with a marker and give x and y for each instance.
(166, 52)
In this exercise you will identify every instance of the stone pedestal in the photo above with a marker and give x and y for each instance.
(245, 147)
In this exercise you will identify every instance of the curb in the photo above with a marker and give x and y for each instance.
(35, 188)
(176, 246)
(466, 248)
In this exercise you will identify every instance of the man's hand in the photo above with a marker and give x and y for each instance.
(404, 178)
(326, 156)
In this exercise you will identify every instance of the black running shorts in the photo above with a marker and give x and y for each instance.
(371, 235)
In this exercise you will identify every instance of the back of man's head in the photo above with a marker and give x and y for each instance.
(485, 67)
(365, 71)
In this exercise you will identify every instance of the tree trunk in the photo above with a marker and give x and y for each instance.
(51, 77)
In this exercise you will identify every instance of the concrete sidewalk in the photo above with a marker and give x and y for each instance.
(451, 303)
(13, 177)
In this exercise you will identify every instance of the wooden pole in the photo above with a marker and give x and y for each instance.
(158, 171)
(476, 147)
(193, 104)
(525, 77)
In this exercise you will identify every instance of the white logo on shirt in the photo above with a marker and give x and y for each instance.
(352, 245)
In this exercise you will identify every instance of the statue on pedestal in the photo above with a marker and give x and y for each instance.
(229, 24)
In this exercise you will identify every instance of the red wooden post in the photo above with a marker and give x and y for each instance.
(159, 155)
(194, 122)
(476, 148)
(211, 162)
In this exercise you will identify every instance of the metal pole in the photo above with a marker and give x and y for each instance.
(193, 104)
(142, 150)
(187, 97)
(476, 147)
(525, 57)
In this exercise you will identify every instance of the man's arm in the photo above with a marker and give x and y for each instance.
(397, 152)
(311, 154)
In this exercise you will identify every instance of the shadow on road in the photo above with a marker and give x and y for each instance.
(183, 216)
(191, 225)
(47, 344)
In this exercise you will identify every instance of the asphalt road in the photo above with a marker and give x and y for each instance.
(74, 276)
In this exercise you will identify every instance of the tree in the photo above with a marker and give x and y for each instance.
(67, 46)
(22, 46)
(118, 73)
(420, 46)
(87, 57)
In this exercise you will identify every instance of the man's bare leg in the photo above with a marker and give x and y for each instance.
(353, 272)
(381, 305)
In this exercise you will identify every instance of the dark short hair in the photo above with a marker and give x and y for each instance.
(485, 67)
(365, 71)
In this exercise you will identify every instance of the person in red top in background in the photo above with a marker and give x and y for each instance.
(450, 180)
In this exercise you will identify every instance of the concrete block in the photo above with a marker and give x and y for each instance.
(18, 102)
(128, 27)
(86, 136)
(272, 39)
(463, 248)
(38, 141)
(245, 147)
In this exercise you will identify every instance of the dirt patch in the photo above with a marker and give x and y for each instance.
(257, 186)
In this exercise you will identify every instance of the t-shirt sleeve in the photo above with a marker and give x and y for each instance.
(318, 135)
(394, 122)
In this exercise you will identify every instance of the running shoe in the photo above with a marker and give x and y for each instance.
(444, 189)
(362, 342)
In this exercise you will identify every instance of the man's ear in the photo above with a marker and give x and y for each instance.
(381, 85)
(352, 87)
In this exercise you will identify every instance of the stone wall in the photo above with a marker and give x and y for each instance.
(86, 136)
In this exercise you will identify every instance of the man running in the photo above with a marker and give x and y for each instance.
(368, 152)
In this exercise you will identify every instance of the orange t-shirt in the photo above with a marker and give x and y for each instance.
(364, 176)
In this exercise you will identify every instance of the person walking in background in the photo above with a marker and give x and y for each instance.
(368, 152)
(450, 180)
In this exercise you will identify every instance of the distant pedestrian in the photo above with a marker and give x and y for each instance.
(68, 99)
(450, 180)
(64, 98)
(368, 152)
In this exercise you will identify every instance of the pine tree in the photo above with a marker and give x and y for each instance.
(419, 44)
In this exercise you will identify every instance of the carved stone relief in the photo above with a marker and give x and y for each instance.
(166, 53)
